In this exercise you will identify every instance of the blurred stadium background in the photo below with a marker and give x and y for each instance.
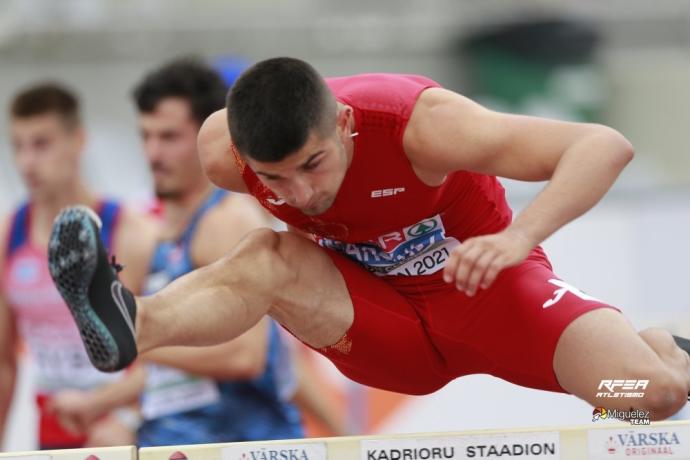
(625, 63)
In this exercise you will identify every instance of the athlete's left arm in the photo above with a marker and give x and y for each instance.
(448, 132)
(133, 245)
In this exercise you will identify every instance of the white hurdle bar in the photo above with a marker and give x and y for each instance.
(598, 441)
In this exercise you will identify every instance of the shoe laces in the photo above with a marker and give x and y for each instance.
(118, 267)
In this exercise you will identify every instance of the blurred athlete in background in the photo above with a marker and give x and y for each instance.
(48, 141)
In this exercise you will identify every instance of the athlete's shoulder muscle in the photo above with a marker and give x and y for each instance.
(215, 153)
(448, 132)
(225, 225)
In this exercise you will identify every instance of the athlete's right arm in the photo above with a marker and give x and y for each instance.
(215, 153)
(8, 342)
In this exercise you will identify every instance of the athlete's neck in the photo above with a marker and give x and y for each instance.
(179, 210)
(44, 209)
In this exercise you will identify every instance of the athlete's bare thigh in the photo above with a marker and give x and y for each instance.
(315, 306)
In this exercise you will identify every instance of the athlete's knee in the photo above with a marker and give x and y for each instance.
(672, 356)
(260, 251)
(258, 241)
(663, 344)
(657, 338)
(666, 394)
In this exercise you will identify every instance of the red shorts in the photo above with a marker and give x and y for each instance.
(415, 334)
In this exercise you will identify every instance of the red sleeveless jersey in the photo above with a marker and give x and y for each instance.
(384, 217)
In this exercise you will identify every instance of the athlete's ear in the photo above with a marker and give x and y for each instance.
(343, 120)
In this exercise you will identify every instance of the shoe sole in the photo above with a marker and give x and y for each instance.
(72, 260)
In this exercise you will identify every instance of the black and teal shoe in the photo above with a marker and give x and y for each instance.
(102, 307)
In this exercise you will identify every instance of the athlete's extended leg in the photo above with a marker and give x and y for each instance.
(281, 274)
(602, 344)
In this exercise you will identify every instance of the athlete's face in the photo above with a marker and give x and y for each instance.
(309, 179)
(169, 137)
(46, 151)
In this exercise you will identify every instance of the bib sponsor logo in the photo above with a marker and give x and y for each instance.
(423, 227)
(430, 229)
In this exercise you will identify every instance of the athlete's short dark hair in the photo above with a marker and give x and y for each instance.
(274, 106)
(187, 78)
(45, 98)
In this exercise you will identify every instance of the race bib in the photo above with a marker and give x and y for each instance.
(63, 365)
(171, 391)
(431, 261)
(416, 250)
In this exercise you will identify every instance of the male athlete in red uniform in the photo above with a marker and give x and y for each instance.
(402, 264)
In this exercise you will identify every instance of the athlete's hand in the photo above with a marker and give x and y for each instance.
(477, 261)
(73, 409)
